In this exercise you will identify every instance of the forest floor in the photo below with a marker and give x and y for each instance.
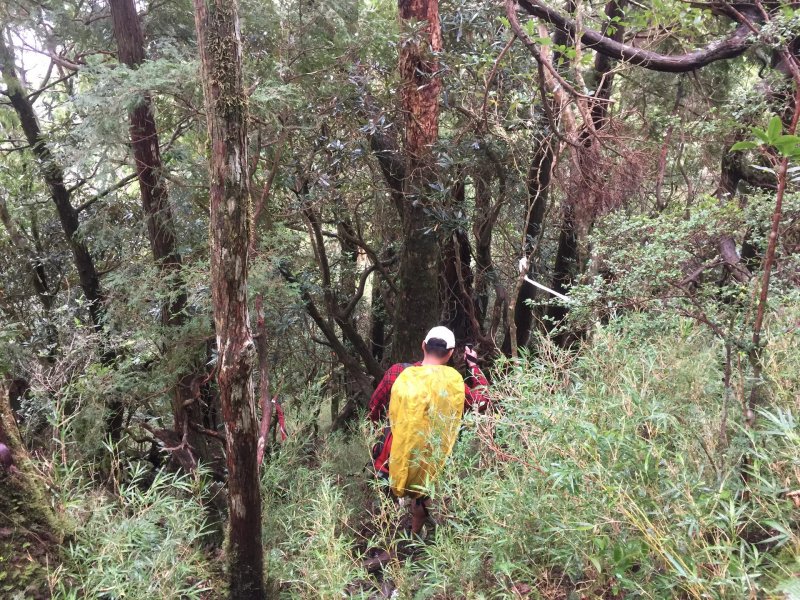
(28, 553)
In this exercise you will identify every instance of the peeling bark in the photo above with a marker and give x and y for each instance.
(418, 299)
(219, 41)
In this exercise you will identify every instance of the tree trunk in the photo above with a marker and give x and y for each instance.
(53, 175)
(482, 231)
(418, 301)
(31, 526)
(456, 283)
(568, 263)
(539, 175)
(219, 40)
(38, 276)
(377, 319)
(187, 409)
(54, 178)
(147, 156)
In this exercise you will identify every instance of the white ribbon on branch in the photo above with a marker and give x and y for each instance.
(547, 289)
(523, 266)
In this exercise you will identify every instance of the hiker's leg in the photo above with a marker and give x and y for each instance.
(419, 513)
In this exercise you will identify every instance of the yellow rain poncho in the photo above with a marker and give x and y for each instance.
(425, 411)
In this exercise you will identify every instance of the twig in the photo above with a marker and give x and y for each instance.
(489, 80)
(119, 185)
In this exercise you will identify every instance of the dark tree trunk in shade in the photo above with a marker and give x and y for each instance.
(457, 280)
(418, 300)
(564, 270)
(187, 408)
(458, 311)
(54, 178)
(538, 184)
(568, 263)
(219, 41)
(377, 324)
(539, 176)
(482, 231)
(68, 215)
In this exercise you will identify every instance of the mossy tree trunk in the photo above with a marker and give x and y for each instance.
(418, 304)
(219, 41)
(29, 529)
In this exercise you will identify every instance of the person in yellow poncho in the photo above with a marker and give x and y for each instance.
(425, 403)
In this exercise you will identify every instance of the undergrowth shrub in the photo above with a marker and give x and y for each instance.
(617, 472)
(142, 540)
(612, 474)
(307, 520)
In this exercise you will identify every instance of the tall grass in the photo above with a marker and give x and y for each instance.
(143, 539)
(618, 472)
(614, 473)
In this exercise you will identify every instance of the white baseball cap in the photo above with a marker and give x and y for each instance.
(442, 333)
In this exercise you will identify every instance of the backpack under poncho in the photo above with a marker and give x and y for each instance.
(425, 411)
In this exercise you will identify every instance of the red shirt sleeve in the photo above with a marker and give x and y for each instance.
(475, 390)
(382, 394)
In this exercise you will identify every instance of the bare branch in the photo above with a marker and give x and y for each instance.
(726, 48)
(119, 185)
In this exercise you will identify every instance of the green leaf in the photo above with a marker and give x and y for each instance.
(788, 145)
(597, 564)
(761, 135)
(530, 28)
(743, 146)
(774, 129)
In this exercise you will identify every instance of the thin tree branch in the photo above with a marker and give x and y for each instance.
(119, 185)
(730, 47)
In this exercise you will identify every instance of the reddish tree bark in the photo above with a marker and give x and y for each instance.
(418, 301)
(219, 41)
(147, 156)
(186, 406)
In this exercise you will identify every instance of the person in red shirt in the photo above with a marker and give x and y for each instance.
(474, 386)
(437, 348)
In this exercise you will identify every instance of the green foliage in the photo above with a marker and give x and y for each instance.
(142, 540)
(787, 146)
(615, 472)
(309, 519)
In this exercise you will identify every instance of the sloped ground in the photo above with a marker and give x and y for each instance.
(605, 475)
(28, 551)
(611, 474)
